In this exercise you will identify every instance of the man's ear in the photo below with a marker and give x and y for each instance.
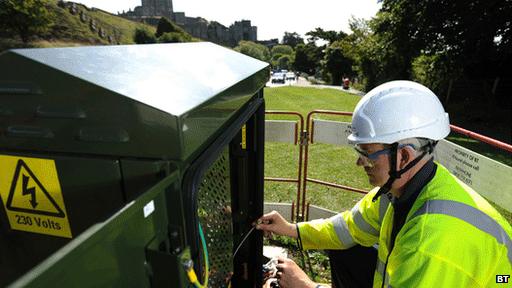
(406, 156)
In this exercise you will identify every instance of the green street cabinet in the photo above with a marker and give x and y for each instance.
(120, 166)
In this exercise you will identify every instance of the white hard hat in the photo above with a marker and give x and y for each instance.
(398, 110)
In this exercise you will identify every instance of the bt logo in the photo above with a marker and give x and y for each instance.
(502, 278)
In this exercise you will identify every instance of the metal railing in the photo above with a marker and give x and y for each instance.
(310, 132)
(307, 138)
(301, 142)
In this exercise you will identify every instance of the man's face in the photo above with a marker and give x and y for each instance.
(376, 168)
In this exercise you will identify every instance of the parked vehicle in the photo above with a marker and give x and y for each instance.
(278, 78)
(290, 76)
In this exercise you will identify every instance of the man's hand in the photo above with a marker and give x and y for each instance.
(291, 276)
(273, 222)
(270, 283)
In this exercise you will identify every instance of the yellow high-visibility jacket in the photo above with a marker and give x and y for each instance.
(452, 237)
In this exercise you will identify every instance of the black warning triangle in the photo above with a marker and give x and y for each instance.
(30, 191)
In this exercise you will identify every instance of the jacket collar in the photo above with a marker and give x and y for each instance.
(414, 186)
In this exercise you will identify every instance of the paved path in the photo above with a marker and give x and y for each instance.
(303, 82)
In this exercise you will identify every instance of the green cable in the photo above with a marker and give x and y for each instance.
(205, 253)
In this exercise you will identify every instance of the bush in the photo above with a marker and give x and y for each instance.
(174, 37)
(143, 36)
(254, 50)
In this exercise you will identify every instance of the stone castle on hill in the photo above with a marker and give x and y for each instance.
(151, 10)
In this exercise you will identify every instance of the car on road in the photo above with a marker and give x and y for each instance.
(290, 76)
(278, 78)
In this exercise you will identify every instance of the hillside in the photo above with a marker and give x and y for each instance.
(77, 25)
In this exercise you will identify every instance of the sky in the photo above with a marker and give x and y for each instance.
(272, 17)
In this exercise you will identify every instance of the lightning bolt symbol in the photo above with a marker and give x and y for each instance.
(29, 191)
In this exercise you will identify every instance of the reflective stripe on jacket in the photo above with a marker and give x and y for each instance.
(452, 237)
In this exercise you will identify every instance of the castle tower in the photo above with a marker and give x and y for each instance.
(157, 8)
(164, 7)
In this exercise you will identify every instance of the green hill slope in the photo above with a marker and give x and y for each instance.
(77, 25)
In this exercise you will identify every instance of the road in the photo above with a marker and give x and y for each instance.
(303, 82)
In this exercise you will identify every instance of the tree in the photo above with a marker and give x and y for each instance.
(168, 32)
(282, 49)
(329, 36)
(292, 39)
(306, 58)
(432, 71)
(363, 49)
(379, 59)
(143, 36)
(336, 64)
(394, 33)
(459, 39)
(254, 50)
(25, 18)
(165, 26)
(284, 62)
(279, 51)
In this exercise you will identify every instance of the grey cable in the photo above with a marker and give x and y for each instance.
(243, 240)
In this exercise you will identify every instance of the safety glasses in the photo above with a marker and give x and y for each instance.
(369, 159)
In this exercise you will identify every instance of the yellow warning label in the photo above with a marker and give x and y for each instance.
(32, 197)
(244, 137)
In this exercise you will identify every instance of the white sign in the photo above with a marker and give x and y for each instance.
(330, 132)
(281, 131)
(488, 177)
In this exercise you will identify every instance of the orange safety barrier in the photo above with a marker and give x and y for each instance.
(307, 138)
(485, 139)
(310, 133)
(298, 180)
